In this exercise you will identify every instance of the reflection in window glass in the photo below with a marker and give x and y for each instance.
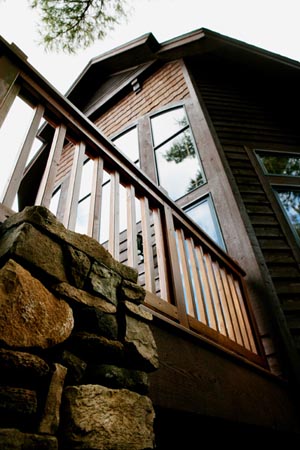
(290, 200)
(128, 144)
(167, 124)
(204, 215)
(178, 165)
(279, 164)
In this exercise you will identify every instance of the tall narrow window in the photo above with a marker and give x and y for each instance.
(283, 173)
(290, 201)
(203, 214)
(178, 165)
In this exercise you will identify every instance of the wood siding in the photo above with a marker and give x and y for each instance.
(167, 85)
(245, 116)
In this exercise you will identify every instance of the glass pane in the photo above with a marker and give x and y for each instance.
(178, 166)
(165, 125)
(203, 214)
(290, 201)
(83, 215)
(54, 201)
(128, 144)
(86, 179)
(280, 164)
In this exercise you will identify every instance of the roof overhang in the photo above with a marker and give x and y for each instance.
(199, 42)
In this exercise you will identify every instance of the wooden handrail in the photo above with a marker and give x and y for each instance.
(189, 277)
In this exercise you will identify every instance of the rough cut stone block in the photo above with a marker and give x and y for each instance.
(76, 367)
(141, 344)
(96, 321)
(132, 292)
(79, 266)
(51, 414)
(104, 282)
(69, 292)
(30, 316)
(15, 365)
(45, 220)
(99, 418)
(138, 311)
(98, 349)
(13, 439)
(117, 378)
(17, 402)
(36, 249)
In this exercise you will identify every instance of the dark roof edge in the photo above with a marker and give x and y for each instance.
(252, 48)
(147, 40)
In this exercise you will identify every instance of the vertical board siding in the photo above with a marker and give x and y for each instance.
(256, 118)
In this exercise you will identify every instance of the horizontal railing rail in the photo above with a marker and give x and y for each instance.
(187, 277)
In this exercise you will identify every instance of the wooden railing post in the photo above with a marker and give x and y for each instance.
(178, 289)
(74, 187)
(96, 200)
(114, 215)
(48, 181)
(131, 227)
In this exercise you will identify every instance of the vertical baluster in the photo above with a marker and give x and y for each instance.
(147, 245)
(114, 215)
(200, 308)
(241, 299)
(224, 302)
(74, 187)
(185, 273)
(206, 288)
(231, 307)
(47, 184)
(17, 174)
(215, 294)
(238, 312)
(131, 228)
(177, 284)
(96, 196)
(161, 256)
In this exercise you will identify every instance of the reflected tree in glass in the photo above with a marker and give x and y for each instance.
(280, 164)
(178, 165)
(290, 201)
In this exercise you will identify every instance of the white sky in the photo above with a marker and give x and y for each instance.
(269, 24)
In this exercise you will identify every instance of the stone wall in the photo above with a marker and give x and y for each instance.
(75, 343)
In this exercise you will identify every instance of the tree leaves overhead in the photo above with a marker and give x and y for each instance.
(68, 25)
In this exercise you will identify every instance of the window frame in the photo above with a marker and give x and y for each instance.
(162, 111)
(208, 197)
(280, 182)
(148, 164)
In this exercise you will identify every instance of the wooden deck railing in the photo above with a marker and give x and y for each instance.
(189, 280)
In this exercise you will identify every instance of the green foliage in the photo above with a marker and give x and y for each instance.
(72, 24)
